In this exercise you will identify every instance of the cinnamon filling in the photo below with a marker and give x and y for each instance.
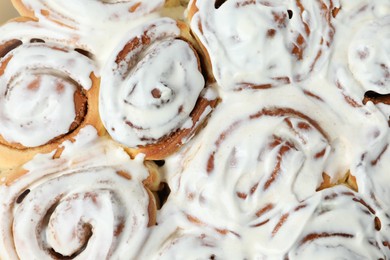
(335, 11)
(132, 45)
(134, 8)
(274, 112)
(156, 93)
(81, 109)
(8, 46)
(378, 224)
(314, 236)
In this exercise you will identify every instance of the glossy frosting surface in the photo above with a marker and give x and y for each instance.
(293, 163)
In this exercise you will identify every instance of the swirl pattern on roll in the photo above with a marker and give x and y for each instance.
(285, 148)
(293, 163)
(354, 232)
(48, 87)
(75, 13)
(98, 208)
(360, 71)
(259, 178)
(361, 67)
(153, 92)
(238, 35)
(316, 226)
(177, 234)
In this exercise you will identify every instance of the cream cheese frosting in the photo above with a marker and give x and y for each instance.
(248, 186)
(80, 205)
(239, 34)
(138, 107)
(86, 11)
(40, 76)
(293, 162)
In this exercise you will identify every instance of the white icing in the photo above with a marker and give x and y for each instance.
(75, 13)
(185, 239)
(352, 237)
(80, 190)
(369, 56)
(238, 39)
(38, 84)
(361, 59)
(258, 197)
(169, 66)
(27, 30)
(234, 194)
(210, 93)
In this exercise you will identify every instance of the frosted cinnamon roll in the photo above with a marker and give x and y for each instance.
(48, 91)
(260, 44)
(262, 160)
(343, 225)
(74, 13)
(245, 173)
(360, 67)
(90, 202)
(181, 243)
(372, 178)
(177, 235)
(153, 96)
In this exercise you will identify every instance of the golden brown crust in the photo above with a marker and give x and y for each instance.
(192, 10)
(154, 179)
(152, 209)
(348, 180)
(23, 10)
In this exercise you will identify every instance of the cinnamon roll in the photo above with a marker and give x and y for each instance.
(133, 129)
(343, 225)
(177, 234)
(74, 13)
(257, 174)
(360, 71)
(241, 36)
(90, 202)
(153, 96)
(361, 64)
(48, 90)
(372, 178)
